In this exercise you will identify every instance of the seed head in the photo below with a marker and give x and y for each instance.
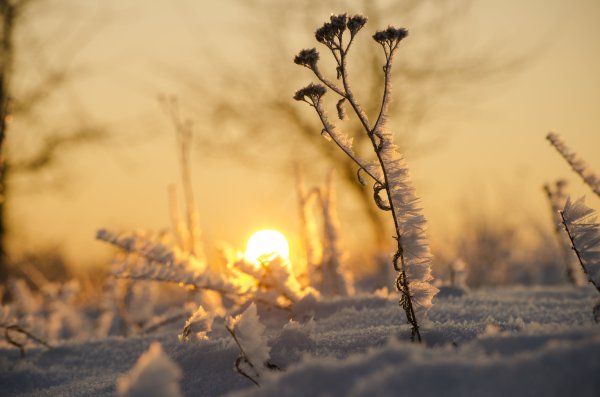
(338, 23)
(312, 91)
(355, 23)
(307, 57)
(327, 33)
(391, 35)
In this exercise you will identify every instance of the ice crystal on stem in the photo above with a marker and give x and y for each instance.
(249, 335)
(145, 259)
(198, 325)
(580, 223)
(557, 197)
(412, 259)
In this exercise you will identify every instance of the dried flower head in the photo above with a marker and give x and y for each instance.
(327, 33)
(391, 35)
(355, 23)
(338, 23)
(307, 57)
(312, 91)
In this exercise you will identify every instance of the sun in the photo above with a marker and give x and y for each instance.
(265, 245)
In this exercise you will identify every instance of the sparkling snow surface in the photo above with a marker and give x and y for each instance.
(504, 342)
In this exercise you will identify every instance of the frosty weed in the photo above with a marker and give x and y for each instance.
(412, 259)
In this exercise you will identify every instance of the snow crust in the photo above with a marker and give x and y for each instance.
(517, 341)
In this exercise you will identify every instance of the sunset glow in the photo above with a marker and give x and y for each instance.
(265, 245)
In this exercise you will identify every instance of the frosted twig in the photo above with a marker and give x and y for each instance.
(179, 227)
(191, 285)
(584, 234)
(309, 230)
(557, 199)
(183, 131)
(243, 357)
(577, 164)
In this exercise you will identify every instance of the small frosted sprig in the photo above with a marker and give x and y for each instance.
(145, 259)
(557, 197)
(577, 164)
(249, 335)
(200, 323)
(583, 230)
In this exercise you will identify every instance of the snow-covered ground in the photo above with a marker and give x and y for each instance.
(534, 341)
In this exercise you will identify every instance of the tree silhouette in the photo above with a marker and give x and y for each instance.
(22, 103)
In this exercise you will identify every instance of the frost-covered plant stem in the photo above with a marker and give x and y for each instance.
(334, 280)
(242, 358)
(576, 250)
(247, 330)
(557, 199)
(183, 131)
(309, 230)
(589, 241)
(390, 172)
(577, 164)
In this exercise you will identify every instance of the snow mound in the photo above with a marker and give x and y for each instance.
(154, 375)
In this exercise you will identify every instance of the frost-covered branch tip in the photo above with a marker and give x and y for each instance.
(577, 164)
(557, 197)
(583, 230)
(412, 259)
(144, 258)
(249, 335)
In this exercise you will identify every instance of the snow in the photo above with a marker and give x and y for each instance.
(249, 333)
(512, 341)
(154, 375)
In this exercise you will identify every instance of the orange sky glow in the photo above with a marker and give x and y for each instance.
(493, 156)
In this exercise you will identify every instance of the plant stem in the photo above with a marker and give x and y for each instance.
(402, 284)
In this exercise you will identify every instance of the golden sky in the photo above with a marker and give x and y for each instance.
(494, 155)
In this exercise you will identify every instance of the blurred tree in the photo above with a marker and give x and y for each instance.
(257, 102)
(28, 84)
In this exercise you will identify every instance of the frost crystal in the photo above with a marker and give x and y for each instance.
(249, 334)
(583, 229)
(144, 258)
(412, 226)
(154, 375)
(200, 323)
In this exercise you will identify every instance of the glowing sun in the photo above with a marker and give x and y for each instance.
(265, 245)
